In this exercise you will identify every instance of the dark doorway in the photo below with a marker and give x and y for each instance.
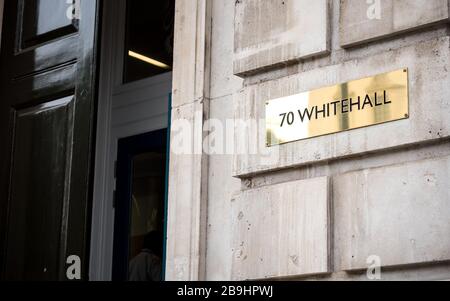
(140, 208)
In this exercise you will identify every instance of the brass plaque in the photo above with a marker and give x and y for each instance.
(359, 103)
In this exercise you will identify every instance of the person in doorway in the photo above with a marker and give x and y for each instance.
(147, 265)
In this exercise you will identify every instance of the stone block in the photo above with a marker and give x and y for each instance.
(281, 230)
(399, 213)
(363, 21)
(273, 32)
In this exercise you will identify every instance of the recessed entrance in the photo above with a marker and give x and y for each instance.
(128, 228)
(140, 204)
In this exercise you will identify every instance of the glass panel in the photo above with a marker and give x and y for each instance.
(43, 16)
(44, 20)
(149, 38)
(147, 217)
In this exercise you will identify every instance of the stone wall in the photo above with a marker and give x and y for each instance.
(323, 208)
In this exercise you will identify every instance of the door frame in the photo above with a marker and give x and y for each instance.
(189, 186)
(108, 134)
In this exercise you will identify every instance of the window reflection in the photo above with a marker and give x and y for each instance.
(149, 38)
(147, 220)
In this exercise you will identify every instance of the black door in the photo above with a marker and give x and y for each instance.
(47, 68)
(140, 208)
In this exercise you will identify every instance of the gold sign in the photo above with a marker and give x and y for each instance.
(360, 103)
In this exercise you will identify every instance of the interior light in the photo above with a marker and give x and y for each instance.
(148, 60)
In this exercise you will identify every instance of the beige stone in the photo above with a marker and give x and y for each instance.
(223, 80)
(360, 22)
(185, 205)
(281, 230)
(221, 188)
(404, 150)
(274, 32)
(399, 213)
(192, 32)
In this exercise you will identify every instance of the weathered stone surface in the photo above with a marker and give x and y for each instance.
(221, 188)
(390, 147)
(187, 172)
(272, 32)
(189, 58)
(429, 101)
(400, 213)
(223, 80)
(185, 199)
(362, 21)
(281, 230)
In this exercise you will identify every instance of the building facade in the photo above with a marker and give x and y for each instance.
(369, 202)
(331, 207)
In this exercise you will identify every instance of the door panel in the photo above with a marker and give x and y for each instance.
(48, 56)
(62, 81)
(40, 170)
(47, 89)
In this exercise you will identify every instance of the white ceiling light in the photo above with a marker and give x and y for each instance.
(148, 60)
